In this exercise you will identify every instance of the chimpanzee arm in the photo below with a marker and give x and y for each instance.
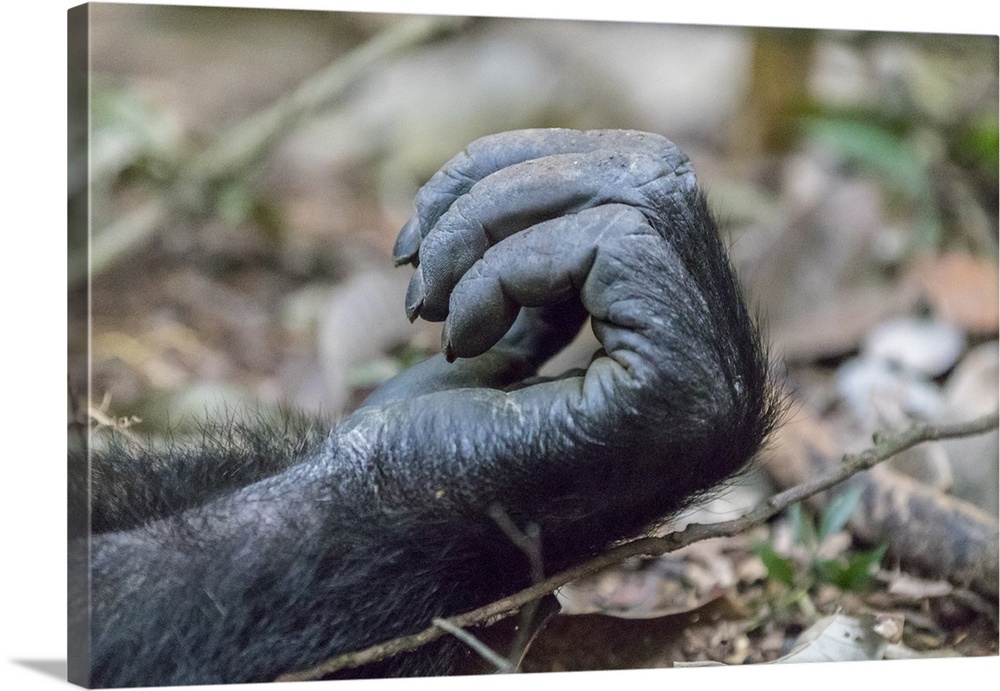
(515, 242)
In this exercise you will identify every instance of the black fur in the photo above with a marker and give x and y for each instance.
(384, 524)
(134, 480)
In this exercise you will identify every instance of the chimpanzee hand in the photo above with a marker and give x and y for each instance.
(521, 179)
(553, 225)
(387, 524)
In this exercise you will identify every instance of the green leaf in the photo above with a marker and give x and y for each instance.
(828, 570)
(977, 145)
(855, 574)
(839, 511)
(778, 567)
(872, 146)
(858, 574)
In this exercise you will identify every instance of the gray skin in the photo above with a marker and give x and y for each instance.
(516, 242)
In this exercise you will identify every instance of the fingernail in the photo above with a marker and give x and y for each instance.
(415, 296)
(407, 245)
(446, 348)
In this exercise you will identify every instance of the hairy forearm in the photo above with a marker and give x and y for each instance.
(272, 571)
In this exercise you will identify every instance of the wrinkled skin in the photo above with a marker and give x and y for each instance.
(385, 524)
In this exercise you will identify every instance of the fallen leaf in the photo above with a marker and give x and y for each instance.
(838, 638)
(962, 288)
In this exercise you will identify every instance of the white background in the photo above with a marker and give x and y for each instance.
(33, 331)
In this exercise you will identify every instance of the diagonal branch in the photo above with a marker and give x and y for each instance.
(885, 447)
(487, 653)
(252, 140)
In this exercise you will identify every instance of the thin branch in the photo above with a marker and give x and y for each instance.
(528, 541)
(884, 448)
(484, 650)
(246, 144)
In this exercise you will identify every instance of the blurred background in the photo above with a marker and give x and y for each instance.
(245, 172)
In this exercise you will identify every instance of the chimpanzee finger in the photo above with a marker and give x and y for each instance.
(529, 193)
(547, 264)
(489, 154)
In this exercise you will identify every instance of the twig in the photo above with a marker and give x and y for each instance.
(528, 541)
(490, 655)
(884, 448)
(246, 144)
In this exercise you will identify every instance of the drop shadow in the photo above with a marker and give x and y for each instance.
(50, 668)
